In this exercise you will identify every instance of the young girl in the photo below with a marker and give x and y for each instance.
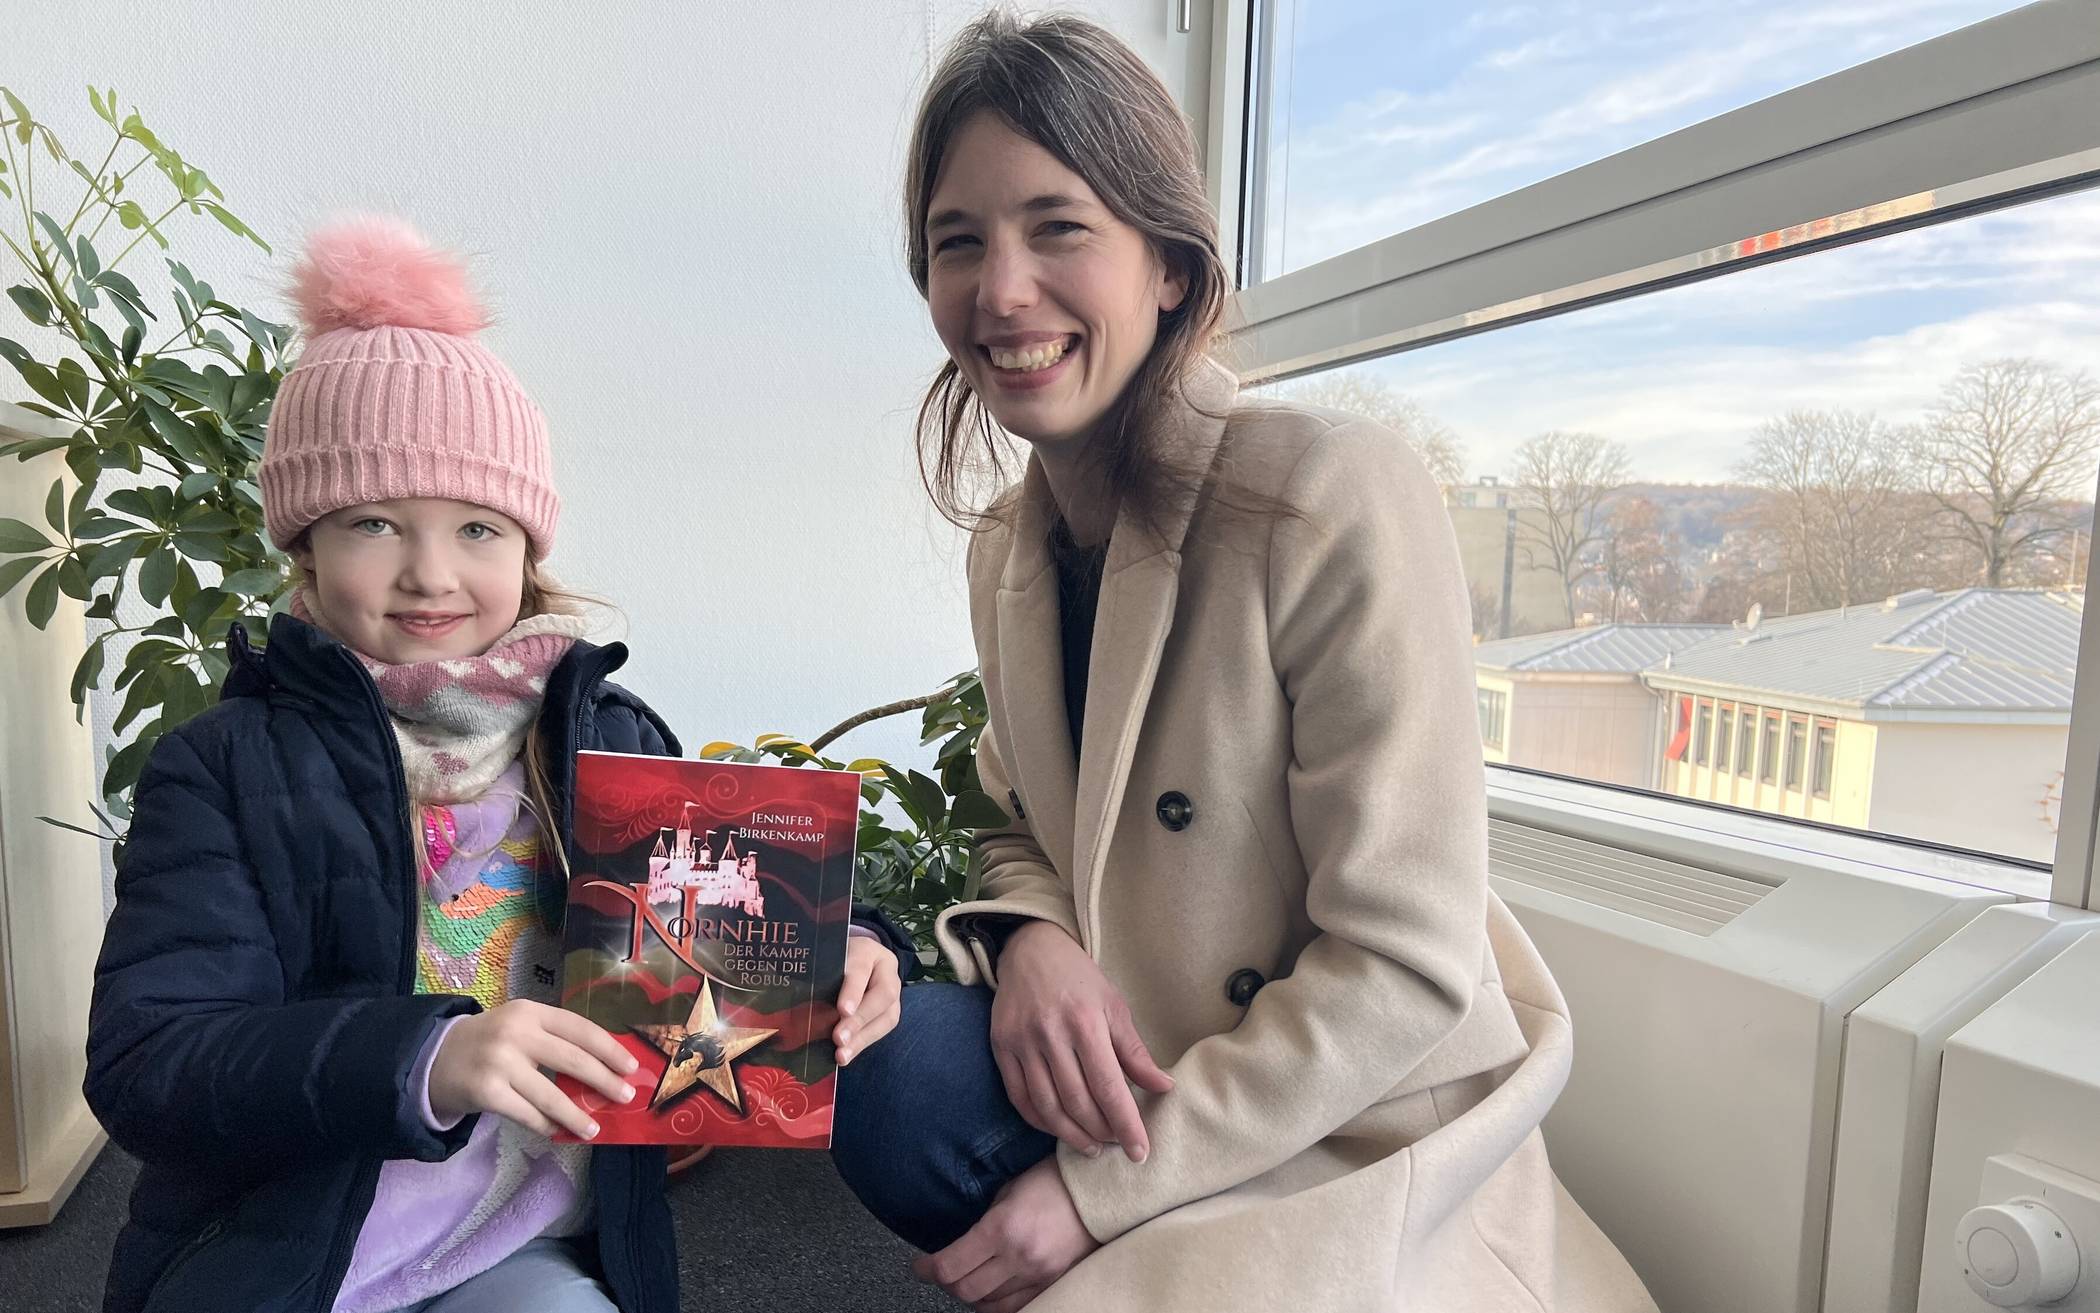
(335, 942)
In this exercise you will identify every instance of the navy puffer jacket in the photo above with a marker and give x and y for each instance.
(255, 1021)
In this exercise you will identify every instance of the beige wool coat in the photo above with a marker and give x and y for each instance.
(1275, 844)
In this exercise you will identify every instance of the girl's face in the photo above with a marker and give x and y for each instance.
(1046, 301)
(416, 579)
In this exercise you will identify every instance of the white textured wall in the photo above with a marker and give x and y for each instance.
(686, 218)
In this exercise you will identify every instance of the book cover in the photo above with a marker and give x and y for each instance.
(706, 930)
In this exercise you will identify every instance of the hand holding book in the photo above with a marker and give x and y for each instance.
(491, 1062)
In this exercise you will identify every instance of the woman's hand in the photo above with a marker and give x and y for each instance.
(869, 998)
(491, 1061)
(1064, 1041)
(1029, 1238)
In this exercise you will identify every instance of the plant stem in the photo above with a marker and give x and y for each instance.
(94, 188)
(873, 713)
(111, 199)
(142, 235)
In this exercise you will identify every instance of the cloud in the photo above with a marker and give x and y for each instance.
(1581, 82)
(1684, 376)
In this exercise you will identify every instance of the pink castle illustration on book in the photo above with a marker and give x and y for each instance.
(686, 858)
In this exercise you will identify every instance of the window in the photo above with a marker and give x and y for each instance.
(1796, 749)
(1494, 711)
(1378, 117)
(1705, 457)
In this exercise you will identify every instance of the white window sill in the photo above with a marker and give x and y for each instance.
(1767, 848)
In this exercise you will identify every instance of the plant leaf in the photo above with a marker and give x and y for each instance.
(43, 598)
(42, 380)
(33, 304)
(73, 380)
(89, 264)
(56, 233)
(15, 571)
(24, 125)
(157, 576)
(235, 225)
(977, 811)
(55, 506)
(16, 536)
(261, 582)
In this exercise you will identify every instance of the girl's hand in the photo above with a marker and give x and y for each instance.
(1064, 1041)
(491, 1061)
(869, 998)
(1029, 1238)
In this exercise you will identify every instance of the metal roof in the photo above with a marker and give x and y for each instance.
(1974, 650)
(1600, 649)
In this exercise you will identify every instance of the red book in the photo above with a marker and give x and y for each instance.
(706, 930)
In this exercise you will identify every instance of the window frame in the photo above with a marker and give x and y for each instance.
(1770, 733)
(1793, 748)
(1724, 739)
(1493, 703)
(1702, 732)
(1991, 115)
(1822, 774)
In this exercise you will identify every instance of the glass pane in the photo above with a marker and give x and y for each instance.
(1381, 116)
(1849, 494)
(1723, 738)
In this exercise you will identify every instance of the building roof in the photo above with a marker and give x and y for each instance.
(1977, 653)
(1598, 650)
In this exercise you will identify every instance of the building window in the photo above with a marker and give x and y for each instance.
(1703, 735)
(1494, 716)
(1746, 743)
(1796, 750)
(1724, 738)
(1826, 748)
(1768, 756)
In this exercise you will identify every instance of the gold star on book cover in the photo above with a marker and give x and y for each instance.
(706, 930)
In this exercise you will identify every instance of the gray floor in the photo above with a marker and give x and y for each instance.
(760, 1230)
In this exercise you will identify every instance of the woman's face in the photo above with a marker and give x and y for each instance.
(1046, 301)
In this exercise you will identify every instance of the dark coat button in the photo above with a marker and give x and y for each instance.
(1244, 985)
(1175, 810)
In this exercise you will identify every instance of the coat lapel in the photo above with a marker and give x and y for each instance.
(1038, 755)
(1139, 587)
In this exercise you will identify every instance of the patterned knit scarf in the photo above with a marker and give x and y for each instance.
(463, 720)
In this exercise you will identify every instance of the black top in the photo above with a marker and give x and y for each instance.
(1078, 596)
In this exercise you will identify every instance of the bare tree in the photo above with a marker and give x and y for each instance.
(1836, 509)
(2007, 453)
(1432, 439)
(1565, 480)
(1639, 563)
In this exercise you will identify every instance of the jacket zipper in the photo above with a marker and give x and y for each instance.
(365, 1185)
(601, 665)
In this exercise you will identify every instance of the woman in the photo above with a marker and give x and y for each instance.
(1231, 714)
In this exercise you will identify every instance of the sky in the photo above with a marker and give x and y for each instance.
(1399, 115)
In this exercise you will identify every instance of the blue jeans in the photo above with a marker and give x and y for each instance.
(546, 1276)
(922, 1130)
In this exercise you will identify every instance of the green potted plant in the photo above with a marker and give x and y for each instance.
(161, 533)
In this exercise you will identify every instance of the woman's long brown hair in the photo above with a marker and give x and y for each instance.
(1081, 94)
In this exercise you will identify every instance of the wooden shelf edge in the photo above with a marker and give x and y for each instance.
(57, 1170)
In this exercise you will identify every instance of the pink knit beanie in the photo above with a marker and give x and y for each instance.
(393, 397)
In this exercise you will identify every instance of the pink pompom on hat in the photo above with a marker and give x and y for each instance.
(393, 397)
